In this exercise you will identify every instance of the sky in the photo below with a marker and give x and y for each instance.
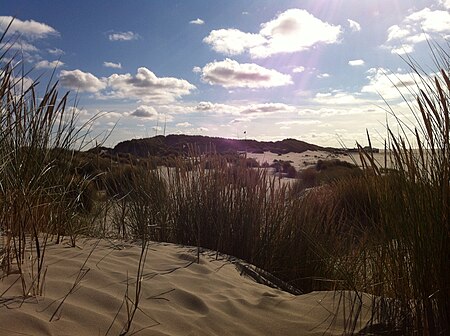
(321, 71)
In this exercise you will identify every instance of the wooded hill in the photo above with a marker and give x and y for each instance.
(178, 144)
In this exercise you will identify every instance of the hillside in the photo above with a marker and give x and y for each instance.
(175, 144)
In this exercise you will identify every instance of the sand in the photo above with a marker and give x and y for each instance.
(179, 296)
(309, 158)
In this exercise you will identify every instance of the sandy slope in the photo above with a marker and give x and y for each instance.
(308, 158)
(179, 297)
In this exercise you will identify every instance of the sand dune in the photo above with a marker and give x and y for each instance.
(309, 158)
(179, 297)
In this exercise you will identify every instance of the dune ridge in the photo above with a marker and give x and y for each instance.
(179, 296)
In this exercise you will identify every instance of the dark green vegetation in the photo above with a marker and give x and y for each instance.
(380, 232)
(179, 144)
(325, 172)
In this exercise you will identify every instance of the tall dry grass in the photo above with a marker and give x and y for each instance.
(404, 258)
(40, 197)
(228, 208)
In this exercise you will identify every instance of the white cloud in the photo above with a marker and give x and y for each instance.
(357, 62)
(55, 52)
(354, 26)
(295, 30)
(341, 98)
(149, 113)
(291, 31)
(48, 65)
(146, 86)
(123, 36)
(21, 83)
(217, 108)
(81, 81)
(323, 75)
(229, 74)
(298, 69)
(431, 21)
(197, 22)
(19, 45)
(391, 85)
(205, 106)
(196, 69)
(240, 120)
(267, 108)
(416, 28)
(112, 65)
(445, 3)
(395, 33)
(144, 111)
(403, 49)
(233, 41)
(27, 28)
(248, 110)
(183, 124)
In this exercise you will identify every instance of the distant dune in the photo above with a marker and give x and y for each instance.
(175, 144)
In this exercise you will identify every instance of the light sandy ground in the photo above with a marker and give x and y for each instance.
(179, 297)
(303, 160)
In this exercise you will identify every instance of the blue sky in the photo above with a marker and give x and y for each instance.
(317, 71)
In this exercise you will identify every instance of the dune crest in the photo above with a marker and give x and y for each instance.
(179, 297)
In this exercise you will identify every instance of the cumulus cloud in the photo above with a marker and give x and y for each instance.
(112, 65)
(341, 98)
(144, 111)
(240, 120)
(396, 33)
(48, 65)
(20, 45)
(298, 69)
(323, 75)
(357, 62)
(23, 82)
(291, 31)
(295, 30)
(217, 108)
(354, 26)
(233, 41)
(27, 28)
(81, 81)
(55, 52)
(416, 28)
(146, 86)
(247, 110)
(183, 124)
(403, 49)
(431, 21)
(123, 36)
(390, 85)
(445, 3)
(197, 22)
(205, 106)
(149, 113)
(231, 74)
(196, 69)
(267, 108)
